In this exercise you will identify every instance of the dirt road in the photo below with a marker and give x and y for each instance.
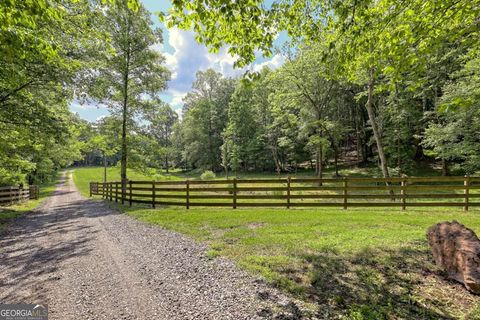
(86, 261)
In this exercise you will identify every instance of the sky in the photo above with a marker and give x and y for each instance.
(184, 57)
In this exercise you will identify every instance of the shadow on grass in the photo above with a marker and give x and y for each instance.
(374, 284)
(400, 283)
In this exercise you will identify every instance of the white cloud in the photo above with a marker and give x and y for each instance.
(177, 98)
(276, 62)
(188, 57)
(172, 64)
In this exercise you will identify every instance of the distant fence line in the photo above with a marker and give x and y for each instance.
(11, 195)
(399, 192)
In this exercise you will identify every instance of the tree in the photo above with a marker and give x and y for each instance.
(455, 136)
(41, 54)
(309, 83)
(162, 118)
(205, 116)
(239, 133)
(104, 140)
(133, 72)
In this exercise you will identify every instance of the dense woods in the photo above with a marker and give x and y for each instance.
(365, 83)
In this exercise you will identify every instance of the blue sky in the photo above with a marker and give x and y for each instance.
(184, 57)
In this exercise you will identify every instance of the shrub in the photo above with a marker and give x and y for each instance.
(208, 175)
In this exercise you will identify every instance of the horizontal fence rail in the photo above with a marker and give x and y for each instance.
(11, 195)
(399, 192)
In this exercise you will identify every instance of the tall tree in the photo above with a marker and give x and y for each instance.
(41, 54)
(204, 119)
(455, 136)
(162, 119)
(134, 71)
(309, 83)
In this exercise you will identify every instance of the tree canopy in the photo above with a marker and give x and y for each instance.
(385, 83)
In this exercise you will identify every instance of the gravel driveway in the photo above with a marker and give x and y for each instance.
(86, 261)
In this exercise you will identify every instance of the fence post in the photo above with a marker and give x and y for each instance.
(153, 194)
(103, 191)
(466, 191)
(187, 190)
(91, 186)
(345, 193)
(11, 195)
(111, 190)
(116, 191)
(130, 189)
(403, 193)
(288, 191)
(123, 193)
(234, 193)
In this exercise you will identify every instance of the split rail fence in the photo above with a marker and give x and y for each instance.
(11, 195)
(299, 192)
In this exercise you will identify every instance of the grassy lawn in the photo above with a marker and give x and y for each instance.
(83, 176)
(359, 263)
(7, 213)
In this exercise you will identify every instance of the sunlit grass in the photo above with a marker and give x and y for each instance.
(83, 176)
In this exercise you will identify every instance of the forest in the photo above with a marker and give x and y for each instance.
(364, 83)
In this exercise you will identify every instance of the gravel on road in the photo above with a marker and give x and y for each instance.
(87, 261)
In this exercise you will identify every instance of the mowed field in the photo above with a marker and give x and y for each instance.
(354, 264)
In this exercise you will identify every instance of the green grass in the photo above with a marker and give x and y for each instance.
(8, 213)
(359, 263)
(83, 176)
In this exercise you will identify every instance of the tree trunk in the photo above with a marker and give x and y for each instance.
(320, 164)
(360, 143)
(444, 168)
(376, 131)
(278, 167)
(166, 163)
(123, 160)
(399, 156)
(335, 150)
(104, 167)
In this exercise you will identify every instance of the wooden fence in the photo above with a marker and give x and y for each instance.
(11, 195)
(299, 192)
